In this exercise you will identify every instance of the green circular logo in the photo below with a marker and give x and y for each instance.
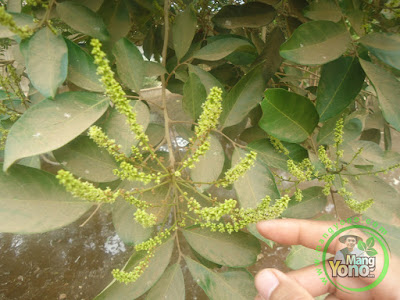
(385, 248)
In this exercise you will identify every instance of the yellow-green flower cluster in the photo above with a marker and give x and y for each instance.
(155, 241)
(148, 246)
(200, 151)
(359, 207)
(303, 171)
(85, 190)
(278, 145)
(133, 200)
(212, 109)
(144, 218)
(131, 173)
(208, 121)
(7, 20)
(328, 179)
(239, 170)
(132, 276)
(298, 195)
(212, 213)
(338, 134)
(102, 140)
(37, 3)
(116, 93)
(323, 157)
(240, 218)
(3, 137)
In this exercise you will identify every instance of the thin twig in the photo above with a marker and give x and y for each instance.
(163, 85)
(91, 215)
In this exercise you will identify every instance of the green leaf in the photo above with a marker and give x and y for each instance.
(237, 249)
(116, 127)
(82, 19)
(252, 15)
(116, 16)
(33, 201)
(206, 78)
(32, 161)
(323, 10)
(231, 285)
(214, 157)
(85, 159)
(270, 57)
(341, 81)
(300, 257)
(361, 245)
(126, 226)
(203, 261)
(19, 19)
(316, 42)
(47, 61)
(183, 31)
(50, 124)
(243, 97)
(92, 4)
(194, 95)
(314, 201)
(371, 134)
(81, 69)
(170, 286)
(221, 47)
(288, 116)
(387, 88)
(371, 252)
(255, 184)
(130, 64)
(152, 68)
(156, 133)
(351, 130)
(370, 242)
(270, 156)
(385, 46)
(158, 264)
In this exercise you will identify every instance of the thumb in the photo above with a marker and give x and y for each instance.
(275, 285)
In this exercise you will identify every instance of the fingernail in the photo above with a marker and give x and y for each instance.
(266, 283)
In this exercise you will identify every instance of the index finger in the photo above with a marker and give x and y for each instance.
(298, 232)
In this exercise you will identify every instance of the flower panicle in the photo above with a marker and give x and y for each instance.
(212, 109)
(210, 217)
(7, 20)
(102, 140)
(277, 144)
(85, 190)
(145, 219)
(338, 134)
(149, 246)
(131, 173)
(117, 95)
(303, 171)
(323, 157)
(238, 170)
(208, 121)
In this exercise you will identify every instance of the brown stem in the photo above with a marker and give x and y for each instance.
(163, 84)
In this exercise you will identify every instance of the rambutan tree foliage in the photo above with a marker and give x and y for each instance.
(276, 94)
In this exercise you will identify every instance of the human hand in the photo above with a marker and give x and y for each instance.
(305, 283)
